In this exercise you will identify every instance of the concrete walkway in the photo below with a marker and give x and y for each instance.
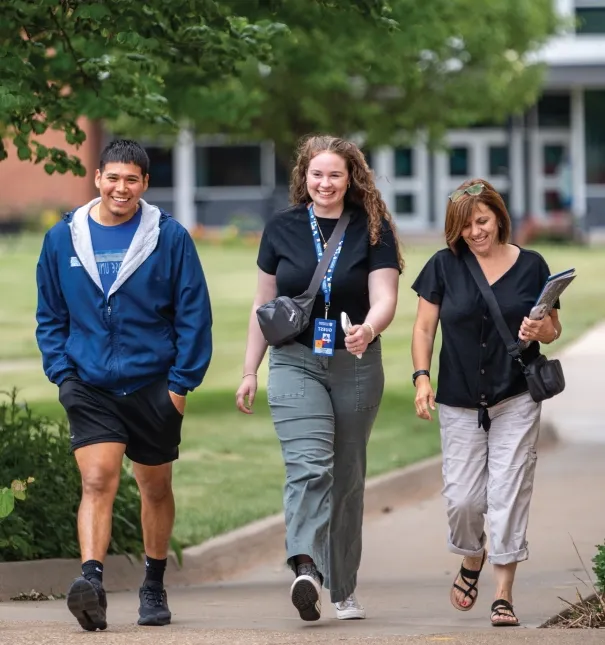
(579, 411)
(407, 572)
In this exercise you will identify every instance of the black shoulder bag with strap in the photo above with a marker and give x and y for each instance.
(544, 377)
(283, 319)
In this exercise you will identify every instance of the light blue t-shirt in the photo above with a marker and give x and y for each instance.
(110, 244)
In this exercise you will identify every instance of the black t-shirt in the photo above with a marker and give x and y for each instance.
(288, 252)
(474, 367)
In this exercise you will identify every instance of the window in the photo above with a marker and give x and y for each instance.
(219, 166)
(459, 162)
(554, 111)
(404, 162)
(553, 156)
(594, 105)
(160, 167)
(485, 125)
(282, 172)
(405, 204)
(498, 161)
(590, 20)
(552, 201)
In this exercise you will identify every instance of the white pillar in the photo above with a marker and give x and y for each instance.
(441, 187)
(536, 173)
(423, 186)
(517, 169)
(267, 164)
(384, 171)
(479, 158)
(184, 179)
(565, 8)
(578, 152)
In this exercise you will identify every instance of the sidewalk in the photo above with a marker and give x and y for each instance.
(578, 412)
(407, 572)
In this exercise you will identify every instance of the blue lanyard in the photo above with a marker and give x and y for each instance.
(326, 284)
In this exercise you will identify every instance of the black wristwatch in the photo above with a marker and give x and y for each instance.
(418, 373)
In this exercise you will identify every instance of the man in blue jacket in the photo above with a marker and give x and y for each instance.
(124, 327)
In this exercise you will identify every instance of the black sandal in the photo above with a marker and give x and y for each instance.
(470, 579)
(497, 614)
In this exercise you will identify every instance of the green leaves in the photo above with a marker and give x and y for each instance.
(21, 142)
(9, 495)
(19, 487)
(7, 502)
(264, 69)
(60, 61)
(599, 567)
(8, 101)
(44, 524)
(24, 153)
(443, 64)
(93, 12)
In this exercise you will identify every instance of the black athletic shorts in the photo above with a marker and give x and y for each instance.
(146, 421)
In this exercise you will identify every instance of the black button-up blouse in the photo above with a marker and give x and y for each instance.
(475, 369)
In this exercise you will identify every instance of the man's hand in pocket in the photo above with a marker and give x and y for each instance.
(178, 401)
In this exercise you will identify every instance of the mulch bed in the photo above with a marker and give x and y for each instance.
(585, 613)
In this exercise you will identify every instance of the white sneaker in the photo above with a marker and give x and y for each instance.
(305, 592)
(350, 609)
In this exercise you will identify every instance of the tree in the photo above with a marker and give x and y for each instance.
(446, 64)
(63, 59)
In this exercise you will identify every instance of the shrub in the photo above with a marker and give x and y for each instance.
(9, 495)
(599, 567)
(44, 524)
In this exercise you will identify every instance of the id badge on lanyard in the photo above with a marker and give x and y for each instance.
(324, 336)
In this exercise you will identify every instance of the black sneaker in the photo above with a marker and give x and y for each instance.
(87, 601)
(306, 591)
(153, 610)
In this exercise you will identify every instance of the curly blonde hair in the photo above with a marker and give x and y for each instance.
(362, 191)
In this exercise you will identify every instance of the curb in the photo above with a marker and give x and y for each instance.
(227, 555)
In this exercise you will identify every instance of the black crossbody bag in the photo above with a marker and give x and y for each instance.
(283, 319)
(544, 377)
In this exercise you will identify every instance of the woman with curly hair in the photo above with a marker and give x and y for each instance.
(324, 403)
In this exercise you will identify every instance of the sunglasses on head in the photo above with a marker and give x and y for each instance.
(475, 189)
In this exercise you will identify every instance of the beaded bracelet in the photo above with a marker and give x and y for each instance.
(371, 328)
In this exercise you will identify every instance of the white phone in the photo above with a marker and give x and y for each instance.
(538, 312)
(345, 323)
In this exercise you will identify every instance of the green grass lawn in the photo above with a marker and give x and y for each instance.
(230, 471)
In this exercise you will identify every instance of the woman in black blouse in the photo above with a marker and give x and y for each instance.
(489, 422)
(324, 389)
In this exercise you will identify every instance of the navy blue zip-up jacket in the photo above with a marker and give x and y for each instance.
(155, 322)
